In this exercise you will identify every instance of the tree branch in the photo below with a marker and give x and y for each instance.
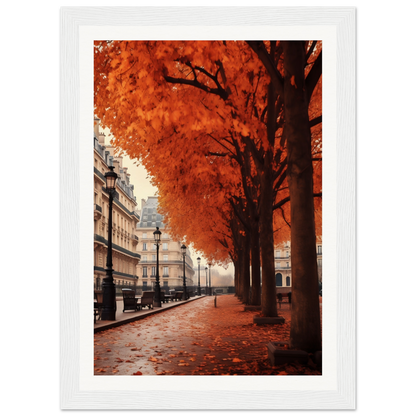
(195, 83)
(311, 50)
(313, 76)
(261, 51)
(315, 121)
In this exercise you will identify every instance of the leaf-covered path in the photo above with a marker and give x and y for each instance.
(195, 339)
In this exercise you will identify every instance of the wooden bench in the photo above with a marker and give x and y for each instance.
(177, 296)
(98, 304)
(129, 300)
(164, 297)
(146, 300)
(287, 295)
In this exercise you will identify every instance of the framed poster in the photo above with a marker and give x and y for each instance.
(336, 387)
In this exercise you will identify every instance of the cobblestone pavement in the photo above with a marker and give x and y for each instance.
(194, 339)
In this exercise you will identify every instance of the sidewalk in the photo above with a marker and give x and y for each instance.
(198, 338)
(131, 316)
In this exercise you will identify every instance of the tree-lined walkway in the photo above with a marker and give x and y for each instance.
(195, 339)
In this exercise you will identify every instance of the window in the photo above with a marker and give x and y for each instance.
(144, 285)
(287, 264)
(287, 254)
(153, 271)
(165, 283)
(165, 257)
(144, 271)
(278, 279)
(319, 249)
(153, 256)
(277, 253)
(319, 262)
(153, 246)
(144, 234)
(165, 246)
(165, 271)
(144, 258)
(287, 280)
(144, 246)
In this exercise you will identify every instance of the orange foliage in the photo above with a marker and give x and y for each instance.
(193, 113)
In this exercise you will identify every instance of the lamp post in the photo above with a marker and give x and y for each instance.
(199, 284)
(209, 265)
(206, 281)
(183, 251)
(109, 289)
(157, 235)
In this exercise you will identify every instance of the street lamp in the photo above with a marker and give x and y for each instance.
(209, 265)
(157, 235)
(199, 285)
(183, 251)
(109, 289)
(206, 281)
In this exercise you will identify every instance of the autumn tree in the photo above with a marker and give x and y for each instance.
(296, 86)
(172, 95)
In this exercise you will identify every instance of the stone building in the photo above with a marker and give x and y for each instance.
(125, 217)
(283, 265)
(170, 257)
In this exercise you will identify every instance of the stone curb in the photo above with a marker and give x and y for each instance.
(114, 324)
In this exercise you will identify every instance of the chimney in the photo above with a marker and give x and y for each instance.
(101, 139)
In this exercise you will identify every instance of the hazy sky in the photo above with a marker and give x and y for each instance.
(143, 189)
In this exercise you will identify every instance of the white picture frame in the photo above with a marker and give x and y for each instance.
(80, 23)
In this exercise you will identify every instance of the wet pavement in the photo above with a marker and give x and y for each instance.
(194, 338)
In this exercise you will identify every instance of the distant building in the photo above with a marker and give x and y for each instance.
(170, 257)
(283, 264)
(125, 218)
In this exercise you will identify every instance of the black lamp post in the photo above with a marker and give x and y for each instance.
(210, 292)
(109, 289)
(183, 251)
(157, 235)
(206, 281)
(199, 284)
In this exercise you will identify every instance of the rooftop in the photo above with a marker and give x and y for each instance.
(149, 216)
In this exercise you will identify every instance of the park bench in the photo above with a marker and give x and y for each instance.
(129, 299)
(287, 296)
(164, 297)
(146, 300)
(98, 304)
(177, 296)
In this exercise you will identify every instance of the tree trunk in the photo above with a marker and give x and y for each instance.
(305, 330)
(255, 264)
(268, 292)
(245, 269)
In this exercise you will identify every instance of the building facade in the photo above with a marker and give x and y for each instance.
(125, 218)
(283, 264)
(170, 257)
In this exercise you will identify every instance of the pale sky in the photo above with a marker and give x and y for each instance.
(143, 189)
